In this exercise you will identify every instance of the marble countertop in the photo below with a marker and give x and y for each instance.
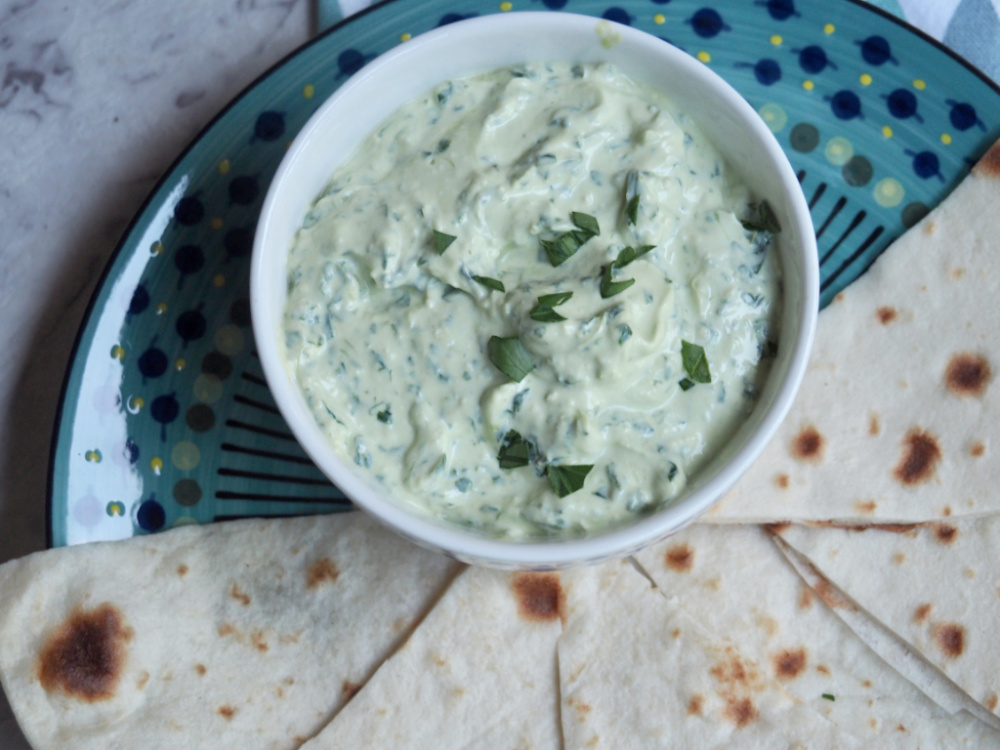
(96, 101)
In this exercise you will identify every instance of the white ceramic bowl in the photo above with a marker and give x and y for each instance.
(484, 44)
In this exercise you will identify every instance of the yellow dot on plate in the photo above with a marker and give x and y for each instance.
(156, 465)
(946, 139)
(808, 85)
(919, 84)
(180, 364)
(659, 19)
(161, 308)
(156, 248)
(116, 508)
(704, 57)
(774, 116)
(838, 151)
(117, 353)
(207, 388)
(224, 166)
(134, 404)
(185, 455)
(308, 91)
(219, 280)
(405, 37)
(866, 80)
(229, 340)
(93, 457)
(217, 223)
(829, 28)
(506, 6)
(776, 40)
(889, 192)
(887, 131)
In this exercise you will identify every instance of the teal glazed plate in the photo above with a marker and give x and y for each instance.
(165, 418)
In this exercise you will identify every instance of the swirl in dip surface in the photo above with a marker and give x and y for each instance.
(423, 284)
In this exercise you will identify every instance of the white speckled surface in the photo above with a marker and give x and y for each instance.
(96, 101)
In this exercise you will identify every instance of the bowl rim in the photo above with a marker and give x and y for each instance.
(610, 543)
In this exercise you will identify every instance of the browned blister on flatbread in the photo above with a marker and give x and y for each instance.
(85, 657)
(540, 597)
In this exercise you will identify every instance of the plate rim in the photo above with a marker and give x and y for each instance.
(127, 232)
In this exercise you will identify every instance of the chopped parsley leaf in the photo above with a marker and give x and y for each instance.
(566, 479)
(510, 356)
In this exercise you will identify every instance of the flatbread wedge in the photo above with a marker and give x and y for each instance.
(638, 673)
(935, 586)
(736, 584)
(247, 634)
(898, 412)
(478, 674)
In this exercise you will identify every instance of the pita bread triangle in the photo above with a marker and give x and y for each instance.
(638, 673)
(737, 585)
(898, 413)
(934, 586)
(478, 674)
(246, 634)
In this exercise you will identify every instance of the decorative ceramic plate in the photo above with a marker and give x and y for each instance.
(165, 418)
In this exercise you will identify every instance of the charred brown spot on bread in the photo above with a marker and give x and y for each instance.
(806, 598)
(142, 679)
(227, 712)
(679, 558)
(886, 315)
(808, 444)
(867, 507)
(85, 657)
(741, 711)
(695, 705)
(977, 449)
(200, 669)
(226, 629)
(675, 633)
(738, 681)
(874, 427)
(922, 613)
(946, 511)
(777, 528)
(348, 690)
(239, 595)
(831, 597)
(839, 297)
(182, 570)
(989, 164)
(921, 454)
(582, 709)
(790, 663)
(782, 481)
(968, 374)
(320, 572)
(945, 533)
(823, 669)
(899, 558)
(950, 639)
(991, 702)
(540, 596)
(257, 639)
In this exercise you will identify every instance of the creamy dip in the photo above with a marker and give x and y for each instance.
(414, 325)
